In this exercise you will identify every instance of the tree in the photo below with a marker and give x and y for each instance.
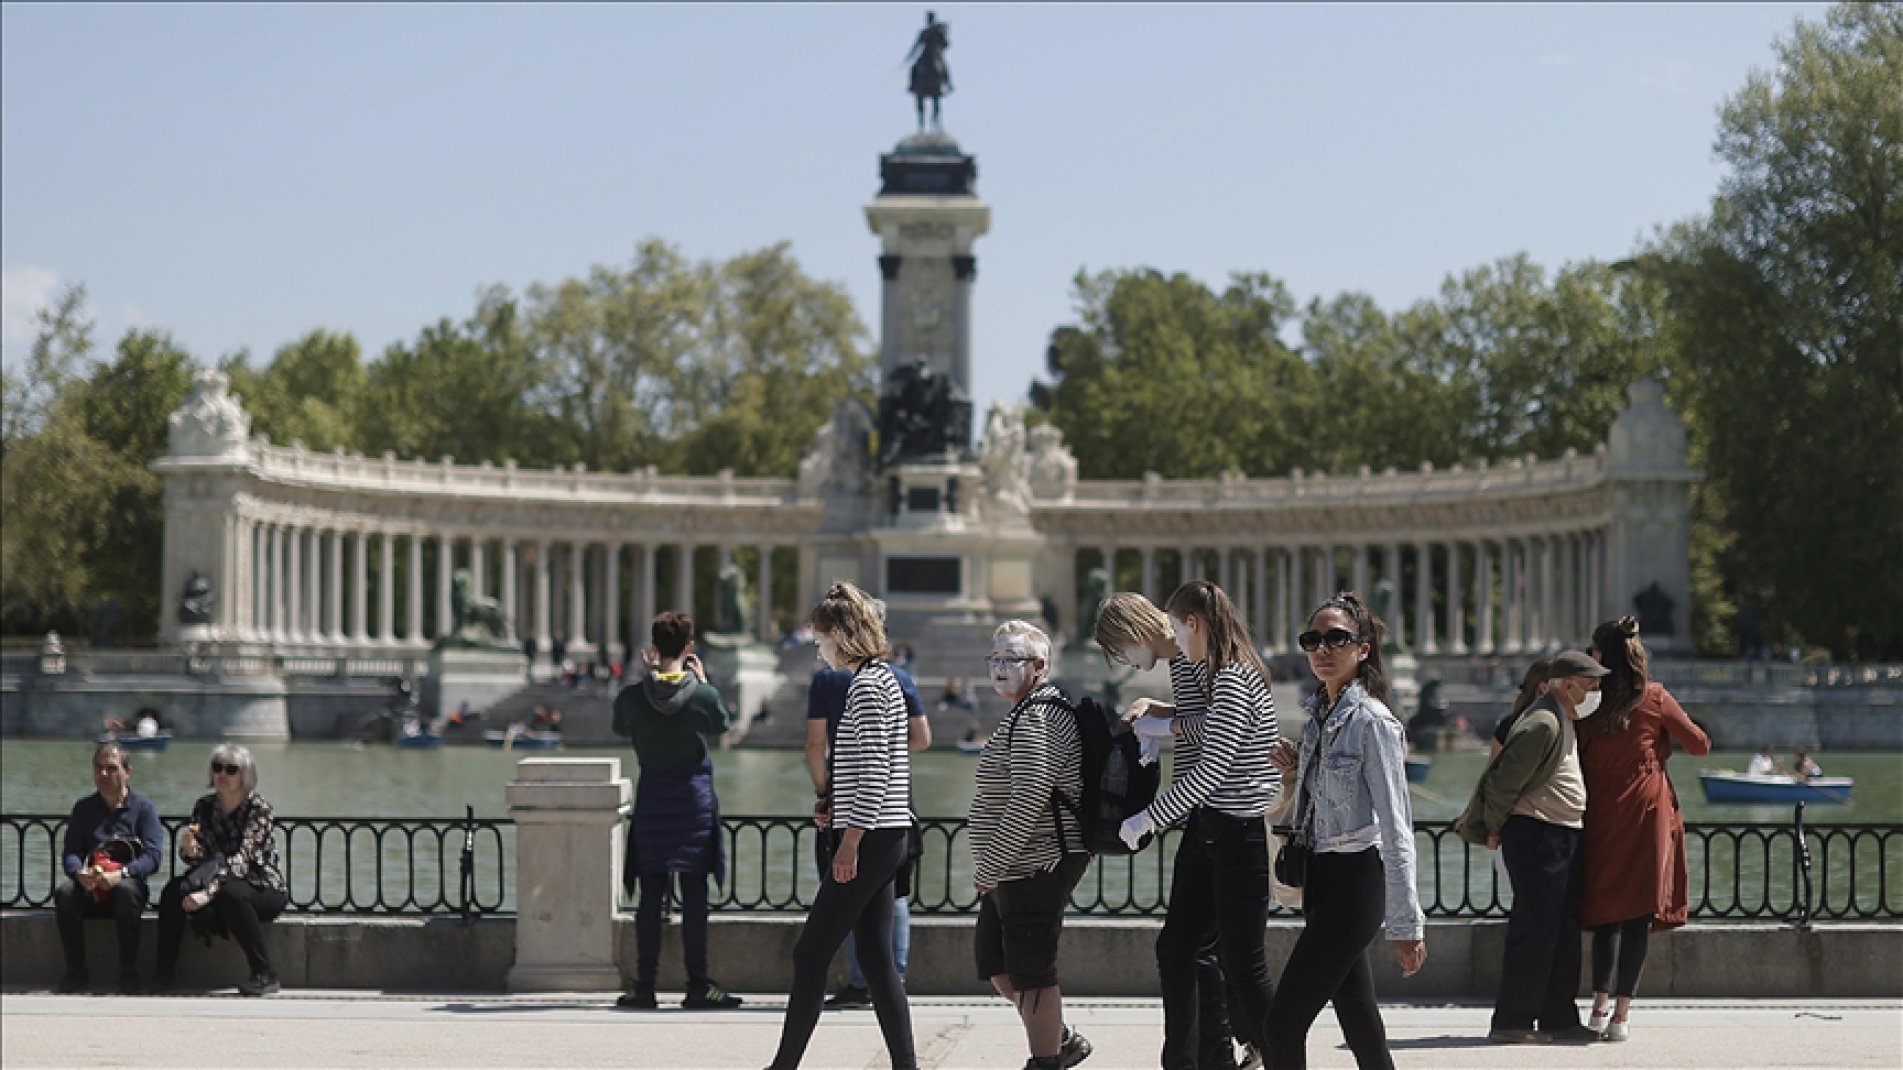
(1788, 325)
(309, 393)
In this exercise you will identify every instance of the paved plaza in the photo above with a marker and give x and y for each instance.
(315, 1028)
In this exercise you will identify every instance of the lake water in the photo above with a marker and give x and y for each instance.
(350, 780)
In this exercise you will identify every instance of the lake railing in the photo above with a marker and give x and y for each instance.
(1795, 872)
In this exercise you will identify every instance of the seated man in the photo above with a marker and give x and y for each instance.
(1764, 763)
(113, 841)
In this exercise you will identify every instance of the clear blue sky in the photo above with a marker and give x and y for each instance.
(241, 174)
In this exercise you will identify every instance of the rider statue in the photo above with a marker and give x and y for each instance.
(930, 77)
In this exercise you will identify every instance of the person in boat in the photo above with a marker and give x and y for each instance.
(674, 834)
(114, 840)
(1764, 762)
(149, 726)
(1803, 767)
(1634, 844)
(1530, 805)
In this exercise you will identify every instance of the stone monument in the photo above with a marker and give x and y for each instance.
(744, 670)
(1404, 681)
(475, 661)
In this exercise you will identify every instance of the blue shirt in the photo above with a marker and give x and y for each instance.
(93, 823)
(826, 697)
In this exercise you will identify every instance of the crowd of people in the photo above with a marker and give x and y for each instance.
(1575, 799)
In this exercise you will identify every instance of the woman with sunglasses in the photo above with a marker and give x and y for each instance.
(1351, 804)
(234, 875)
(1220, 885)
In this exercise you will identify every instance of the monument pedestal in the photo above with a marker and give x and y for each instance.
(746, 674)
(568, 849)
(480, 676)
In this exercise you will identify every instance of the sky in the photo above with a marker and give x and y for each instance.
(239, 175)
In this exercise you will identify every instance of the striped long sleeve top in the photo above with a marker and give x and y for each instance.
(872, 771)
(1225, 748)
(1013, 831)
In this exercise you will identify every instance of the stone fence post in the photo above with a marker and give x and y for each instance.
(568, 847)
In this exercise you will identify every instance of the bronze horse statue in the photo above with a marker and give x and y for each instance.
(931, 79)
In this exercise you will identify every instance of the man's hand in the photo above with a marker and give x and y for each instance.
(196, 901)
(1410, 955)
(86, 878)
(1493, 841)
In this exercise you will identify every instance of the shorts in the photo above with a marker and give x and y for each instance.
(1019, 923)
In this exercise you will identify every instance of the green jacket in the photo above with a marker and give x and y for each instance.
(668, 719)
(1528, 758)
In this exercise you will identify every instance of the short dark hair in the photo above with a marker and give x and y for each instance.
(671, 633)
(112, 748)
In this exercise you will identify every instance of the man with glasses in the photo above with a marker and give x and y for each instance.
(112, 844)
(1530, 805)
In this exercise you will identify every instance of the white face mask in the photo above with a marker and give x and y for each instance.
(828, 651)
(1138, 657)
(1585, 707)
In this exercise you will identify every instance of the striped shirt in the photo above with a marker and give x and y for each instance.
(1192, 703)
(1226, 748)
(872, 771)
(1013, 831)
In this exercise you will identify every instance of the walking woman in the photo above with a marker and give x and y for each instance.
(1351, 798)
(1221, 879)
(870, 822)
(1634, 842)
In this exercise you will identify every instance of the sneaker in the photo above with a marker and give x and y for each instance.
(73, 981)
(641, 999)
(708, 996)
(1251, 1058)
(850, 997)
(1572, 1034)
(258, 984)
(1597, 1023)
(1075, 1050)
(1519, 1036)
(1048, 1062)
(1616, 1029)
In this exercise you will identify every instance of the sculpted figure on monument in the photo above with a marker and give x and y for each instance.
(209, 422)
(1053, 466)
(1006, 464)
(931, 78)
(733, 613)
(841, 451)
(1655, 610)
(922, 414)
(479, 621)
(1096, 592)
(1384, 606)
(194, 605)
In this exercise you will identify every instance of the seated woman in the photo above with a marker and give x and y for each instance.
(234, 874)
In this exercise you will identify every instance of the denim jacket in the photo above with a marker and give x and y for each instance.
(1361, 787)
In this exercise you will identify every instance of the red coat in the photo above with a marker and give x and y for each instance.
(1635, 838)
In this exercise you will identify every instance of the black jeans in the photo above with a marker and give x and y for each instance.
(1539, 974)
(864, 908)
(1344, 903)
(1625, 942)
(647, 925)
(1220, 887)
(242, 907)
(72, 905)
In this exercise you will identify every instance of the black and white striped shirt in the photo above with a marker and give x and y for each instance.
(1012, 829)
(872, 771)
(1225, 749)
(1191, 702)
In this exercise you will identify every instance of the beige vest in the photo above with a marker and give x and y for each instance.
(1562, 799)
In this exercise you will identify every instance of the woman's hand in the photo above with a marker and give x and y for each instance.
(1410, 955)
(823, 813)
(1286, 758)
(196, 901)
(187, 842)
(846, 857)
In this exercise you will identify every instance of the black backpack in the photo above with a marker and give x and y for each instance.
(1116, 785)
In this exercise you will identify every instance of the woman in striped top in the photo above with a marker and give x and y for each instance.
(1026, 854)
(1221, 879)
(871, 818)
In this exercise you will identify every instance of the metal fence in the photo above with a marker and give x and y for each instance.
(436, 866)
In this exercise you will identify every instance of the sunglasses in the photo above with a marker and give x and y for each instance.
(228, 770)
(1332, 639)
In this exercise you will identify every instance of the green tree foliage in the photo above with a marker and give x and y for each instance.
(1788, 302)
(309, 393)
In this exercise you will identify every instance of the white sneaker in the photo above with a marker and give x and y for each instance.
(1251, 1058)
(1616, 1029)
(1597, 1023)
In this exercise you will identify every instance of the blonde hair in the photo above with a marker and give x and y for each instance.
(1129, 619)
(855, 618)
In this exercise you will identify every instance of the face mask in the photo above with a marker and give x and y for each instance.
(828, 650)
(1586, 706)
(1138, 657)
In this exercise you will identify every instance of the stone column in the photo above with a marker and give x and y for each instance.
(1549, 583)
(1424, 598)
(272, 606)
(1358, 574)
(1108, 554)
(964, 273)
(360, 587)
(1226, 571)
(1510, 589)
(334, 576)
(644, 592)
(1147, 581)
(684, 578)
(478, 568)
(1391, 571)
(415, 610)
(611, 601)
(542, 593)
(1186, 567)
(1595, 596)
(1483, 597)
(1456, 612)
(1283, 604)
(567, 813)
(511, 580)
(577, 595)
(764, 603)
(1264, 624)
(386, 590)
(1324, 575)
(294, 586)
(889, 308)
(445, 564)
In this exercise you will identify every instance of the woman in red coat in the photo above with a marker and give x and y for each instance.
(1634, 838)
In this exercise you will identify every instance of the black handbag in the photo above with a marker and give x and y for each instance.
(1291, 862)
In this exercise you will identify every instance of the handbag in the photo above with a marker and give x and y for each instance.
(1291, 862)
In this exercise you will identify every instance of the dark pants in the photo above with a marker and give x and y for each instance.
(1539, 974)
(1216, 1046)
(241, 907)
(1220, 887)
(72, 905)
(1344, 903)
(1624, 942)
(647, 925)
(862, 907)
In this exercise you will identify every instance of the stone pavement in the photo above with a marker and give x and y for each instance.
(315, 1028)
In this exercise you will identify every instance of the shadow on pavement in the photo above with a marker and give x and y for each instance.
(1448, 1041)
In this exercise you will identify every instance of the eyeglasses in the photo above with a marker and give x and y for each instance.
(1333, 639)
(997, 661)
(228, 770)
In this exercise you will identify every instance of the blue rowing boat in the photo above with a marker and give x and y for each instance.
(1724, 786)
(1417, 770)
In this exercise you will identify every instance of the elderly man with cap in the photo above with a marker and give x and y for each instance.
(1530, 805)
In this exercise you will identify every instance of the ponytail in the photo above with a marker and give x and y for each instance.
(1229, 640)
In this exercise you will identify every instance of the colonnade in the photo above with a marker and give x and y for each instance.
(339, 586)
(1481, 595)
